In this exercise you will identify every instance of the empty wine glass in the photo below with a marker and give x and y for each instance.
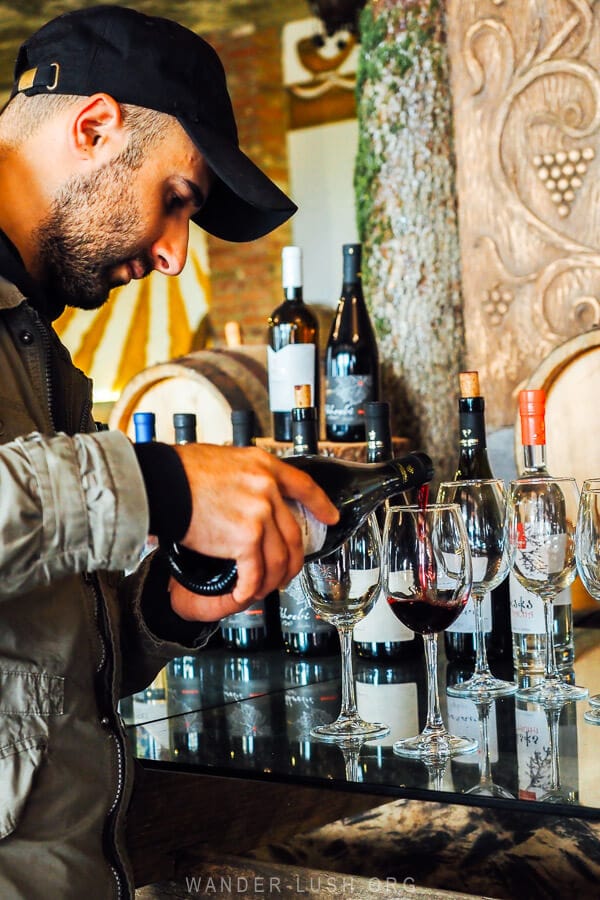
(341, 588)
(587, 555)
(427, 579)
(483, 505)
(541, 523)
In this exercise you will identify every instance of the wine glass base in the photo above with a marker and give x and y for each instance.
(592, 716)
(344, 728)
(433, 746)
(482, 687)
(594, 700)
(548, 693)
(490, 790)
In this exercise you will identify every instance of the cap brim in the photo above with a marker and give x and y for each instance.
(243, 204)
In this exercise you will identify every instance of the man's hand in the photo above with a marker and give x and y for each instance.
(239, 512)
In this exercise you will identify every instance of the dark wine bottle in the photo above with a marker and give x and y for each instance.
(304, 633)
(381, 635)
(473, 462)
(184, 426)
(355, 488)
(257, 627)
(351, 357)
(293, 341)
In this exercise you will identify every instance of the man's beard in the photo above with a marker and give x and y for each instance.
(87, 233)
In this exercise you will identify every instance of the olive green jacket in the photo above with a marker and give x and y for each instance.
(73, 514)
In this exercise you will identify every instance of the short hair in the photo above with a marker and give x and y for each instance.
(22, 117)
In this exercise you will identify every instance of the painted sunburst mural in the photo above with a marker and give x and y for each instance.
(143, 323)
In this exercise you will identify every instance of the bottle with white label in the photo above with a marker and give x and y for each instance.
(292, 354)
(381, 635)
(547, 760)
(527, 608)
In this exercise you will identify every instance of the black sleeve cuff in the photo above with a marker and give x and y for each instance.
(158, 614)
(167, 488)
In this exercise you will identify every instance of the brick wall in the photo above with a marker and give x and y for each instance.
(246, 278)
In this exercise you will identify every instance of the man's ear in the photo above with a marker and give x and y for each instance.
(96, 131)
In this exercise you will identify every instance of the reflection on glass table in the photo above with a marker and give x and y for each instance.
(262, 730)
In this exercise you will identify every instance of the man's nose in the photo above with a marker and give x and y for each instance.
(169, 251)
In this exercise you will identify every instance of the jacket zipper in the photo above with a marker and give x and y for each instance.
(116, 865)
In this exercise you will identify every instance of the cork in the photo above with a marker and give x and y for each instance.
(233, 334)
(469, 384)
(302, 395)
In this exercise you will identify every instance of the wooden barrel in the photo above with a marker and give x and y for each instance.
(209, 383)
(570, 376)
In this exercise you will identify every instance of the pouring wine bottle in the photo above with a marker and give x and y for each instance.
(303, 632)
(355, 488)
(351, 357)
(257, 627)
(526, 608)
(381, 635)
(473, 462)
(292, 354)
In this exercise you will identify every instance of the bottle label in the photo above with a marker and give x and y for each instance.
(313, 531)
(381, 625)
(463, 719)
(253, 617)
(362, 581)
(465, 624)
(394, 704)
(527, 608)
(296, 613)
(346, 397)
(533, 751)
(292, 365)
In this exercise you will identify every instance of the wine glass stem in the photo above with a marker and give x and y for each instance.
(551, 667)
(434, 715)
(481, 662)
(348, 709)
(552, 716)
(485, 770)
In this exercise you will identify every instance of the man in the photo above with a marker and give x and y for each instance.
(119, 130)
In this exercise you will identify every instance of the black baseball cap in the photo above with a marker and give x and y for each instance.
(158, 64)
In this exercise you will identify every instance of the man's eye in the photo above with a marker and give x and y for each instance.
(176, 202)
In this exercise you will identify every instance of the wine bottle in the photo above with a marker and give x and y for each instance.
(473, 462)
(527, 608)
(256, 627)
(184, 426)
(304, 633)
(144, 424)
(381, 635)
(292, 352)
(351, 357)
(355, 488)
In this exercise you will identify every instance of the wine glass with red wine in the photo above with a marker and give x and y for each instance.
(483, 506)
(427, 580)
(341, 588)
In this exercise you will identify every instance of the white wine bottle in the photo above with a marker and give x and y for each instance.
(527, 608)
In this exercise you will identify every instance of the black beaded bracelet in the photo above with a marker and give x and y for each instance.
(199, 573)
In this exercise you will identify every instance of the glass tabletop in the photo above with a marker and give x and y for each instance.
(249, 716)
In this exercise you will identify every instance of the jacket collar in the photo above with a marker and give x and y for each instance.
(20, 286)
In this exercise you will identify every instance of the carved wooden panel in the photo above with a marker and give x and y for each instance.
(526, 90)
